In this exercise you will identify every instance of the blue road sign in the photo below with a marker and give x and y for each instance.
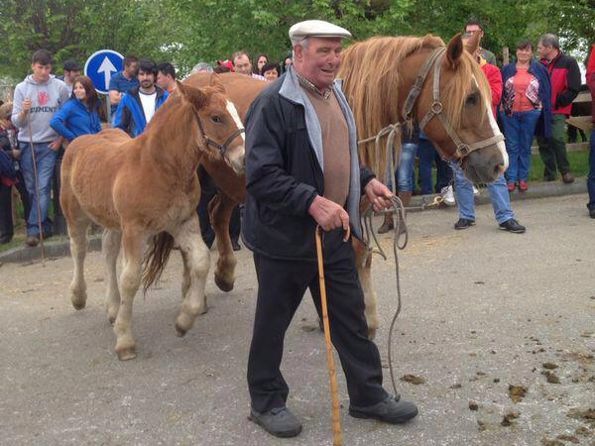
(101, 66)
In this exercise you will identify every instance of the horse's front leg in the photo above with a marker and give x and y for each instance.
(220, 209)
(133, 241)
(363, 263)
(196, 257)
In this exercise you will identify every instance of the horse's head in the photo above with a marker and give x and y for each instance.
(455, 111)
(220, 130)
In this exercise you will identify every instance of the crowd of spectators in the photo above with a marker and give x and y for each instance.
(534, 96)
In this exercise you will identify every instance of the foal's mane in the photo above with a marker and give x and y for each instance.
(371, 72)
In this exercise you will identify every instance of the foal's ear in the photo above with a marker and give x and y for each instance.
(193, 95)
(215, 82)
(454, 50)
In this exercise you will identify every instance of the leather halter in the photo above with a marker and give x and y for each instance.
(437, 109)
(209, 142)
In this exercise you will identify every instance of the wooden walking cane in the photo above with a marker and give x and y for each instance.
(36, 185)
(336, 422)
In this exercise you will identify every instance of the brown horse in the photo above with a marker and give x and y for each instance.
(145, 190)
(451, 100)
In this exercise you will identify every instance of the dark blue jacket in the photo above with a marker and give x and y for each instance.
(74, 119)
(284, 173)
(544, 125)
(130, 116)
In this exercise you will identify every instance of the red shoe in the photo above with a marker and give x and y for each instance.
(510, 185)
(523, 186)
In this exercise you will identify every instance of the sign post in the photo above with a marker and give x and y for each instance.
(100, 67)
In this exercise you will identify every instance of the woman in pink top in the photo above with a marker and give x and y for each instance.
(524, 102)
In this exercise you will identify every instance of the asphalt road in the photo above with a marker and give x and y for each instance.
(483, 309)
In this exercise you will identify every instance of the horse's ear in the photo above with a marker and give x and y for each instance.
(454, 50)
(216, 83)
(472, 44)
(180, 88)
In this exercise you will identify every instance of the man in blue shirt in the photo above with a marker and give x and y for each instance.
(123, 81)
(138, 106)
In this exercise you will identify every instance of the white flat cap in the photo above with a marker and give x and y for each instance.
(316, 28)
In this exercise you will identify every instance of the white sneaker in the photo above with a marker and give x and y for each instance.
(448, 196)
(475, 191)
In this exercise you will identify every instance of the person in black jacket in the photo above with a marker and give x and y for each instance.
(297, 128)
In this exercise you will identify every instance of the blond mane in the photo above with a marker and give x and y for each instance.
(371, 71)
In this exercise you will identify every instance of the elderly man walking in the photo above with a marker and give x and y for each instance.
(302, 170)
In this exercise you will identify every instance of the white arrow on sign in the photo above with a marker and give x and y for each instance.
(106, 68)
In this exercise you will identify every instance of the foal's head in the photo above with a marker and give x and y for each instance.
(220, 130)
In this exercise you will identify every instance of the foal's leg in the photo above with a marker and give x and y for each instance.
(77, 230)
(363, 263)
(196, 267)
(132, 242)
(220, 210)
(111, 248)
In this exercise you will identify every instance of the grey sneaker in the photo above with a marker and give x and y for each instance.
(390, 410)
(279, 422)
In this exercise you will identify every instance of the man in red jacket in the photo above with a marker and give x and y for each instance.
(497, 190)
(565, 77)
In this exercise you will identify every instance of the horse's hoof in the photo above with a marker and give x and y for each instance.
(111, 320)
(371, 333)
(223, 284)
(126, 353)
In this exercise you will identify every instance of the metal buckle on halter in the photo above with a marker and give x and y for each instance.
(463, 150)
(436, 107)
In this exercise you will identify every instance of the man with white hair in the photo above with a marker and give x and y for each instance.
(302, 170)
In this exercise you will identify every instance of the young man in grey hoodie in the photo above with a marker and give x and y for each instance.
(35, 101)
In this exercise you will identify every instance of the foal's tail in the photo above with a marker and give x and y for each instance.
(156, 259)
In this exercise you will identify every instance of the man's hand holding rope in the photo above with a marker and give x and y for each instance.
(378, 194)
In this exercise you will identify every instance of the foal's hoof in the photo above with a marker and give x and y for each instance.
(79, 304)
(180, 332)
(224, 285)
(126, 353)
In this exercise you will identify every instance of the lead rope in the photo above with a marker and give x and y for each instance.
(400, 238)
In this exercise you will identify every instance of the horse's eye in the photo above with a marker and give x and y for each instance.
(471, 100)
(216, 119)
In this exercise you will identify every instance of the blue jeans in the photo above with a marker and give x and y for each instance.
(404, 171)
(45, 160)
(591, 177)
(518, 130)
(427, 155)
(498, 196)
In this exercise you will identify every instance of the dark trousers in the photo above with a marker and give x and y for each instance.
(281, 286)
(553, 150)
(208, 190)
(591, 175)
(6, 223)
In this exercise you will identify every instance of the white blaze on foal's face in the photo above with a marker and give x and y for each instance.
(236, 155)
